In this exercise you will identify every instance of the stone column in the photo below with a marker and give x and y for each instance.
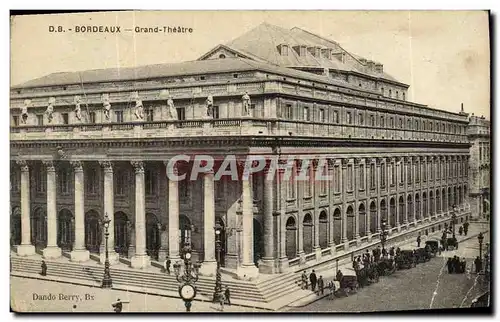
(247, 270)
(331, 241)
(109, 209)
(25, 249)
(267, 262)
(356, 198)
(312, 180)
(378, 187)
(368, 212)
(79, 253)
(173, 215)
(209, 266)
(343, 181)
(397, 164)
(52, 251)
(281, 219)
(140, 259)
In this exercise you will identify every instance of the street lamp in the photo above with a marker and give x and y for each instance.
(218, 284)
(480, 239)
(187, 289)
(453, 219)
(383, 234)
(106, 280)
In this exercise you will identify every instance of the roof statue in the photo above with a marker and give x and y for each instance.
(78, 110)
(50, 109)
(24, 111)
(210, 103)
(139, 108)
(246, 104)
(106, 105)
(171, 110)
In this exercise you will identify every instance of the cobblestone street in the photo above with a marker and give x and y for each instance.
(413, 289)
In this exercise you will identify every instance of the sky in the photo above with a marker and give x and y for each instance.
(443, 55)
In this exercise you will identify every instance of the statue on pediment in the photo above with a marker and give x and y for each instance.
(246, 104)
(24, 111)
(106, 105)
(172, 111)
(139, 108)
(50, 109)
(210, 105)
(78, 110)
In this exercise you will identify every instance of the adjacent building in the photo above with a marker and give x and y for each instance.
(94, 143)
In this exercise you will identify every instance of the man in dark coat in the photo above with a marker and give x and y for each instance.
(449, 265)
(419, 240)
(466, 228)
(313, 280)
(167, 265)
(455, 264)
(321, 285)
(391, 251)
(478, 265)
(227, 295)
(44, 269)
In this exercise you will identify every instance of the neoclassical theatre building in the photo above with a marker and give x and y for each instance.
(94, 143)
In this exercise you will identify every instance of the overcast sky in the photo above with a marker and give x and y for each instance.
(442, 55)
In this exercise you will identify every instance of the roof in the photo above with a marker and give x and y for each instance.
(198, 67)
(263, 42)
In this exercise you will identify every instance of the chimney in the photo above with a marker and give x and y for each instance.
(462, 108)
(379, 68)
(371, 66)
(362, 61)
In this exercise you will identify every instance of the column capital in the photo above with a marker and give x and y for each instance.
(49, 164)
(77, 165)
(357, 161)
(345, 161)
(399, 158)
(423, 158)
(331, 162)
(379, 161)
(106, 165)
(23, 164)
(138, 166)
(314, 163)
(416, 158)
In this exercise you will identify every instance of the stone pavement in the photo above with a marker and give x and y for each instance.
(329, 272)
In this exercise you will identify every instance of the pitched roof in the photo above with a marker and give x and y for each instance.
(263, 42)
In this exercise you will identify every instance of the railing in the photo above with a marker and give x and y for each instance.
(238, 126)
(294, 262)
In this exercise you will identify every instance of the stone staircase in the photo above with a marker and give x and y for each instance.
(256, 294)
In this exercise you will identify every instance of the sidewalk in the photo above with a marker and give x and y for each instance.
(329, 272)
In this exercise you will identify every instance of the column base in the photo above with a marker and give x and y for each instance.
(208, 268)
(247, 272)
(267, 266)
(346, 244)
(162, 255)
(81, 255)
(283, 265)
(231, 261)
(368, 237)
(113, 257)
(399, 228)
(302, 258)
(140, 261)
(25, 250)
(52, 252)
(318, 253)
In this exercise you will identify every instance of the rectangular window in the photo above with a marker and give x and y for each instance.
(184, 189)
(323, 187)
(402, 171)
(392, 122)
(119, 116)
(65, 117)
(289, 112)
(220, 189)
(409, 173)
(16, 120)
(91, 181)
(349, 177)
(307, 185)
(181, 113)
(284, 50)
(306, 113)
(361, 119)
(39, 119)
(372, 176)
(348, 118)
(416, 168)
(393, 174)
(15, 179)
(291, 187)
(215, 112)
(150, 180)
(424, 172)
(382, 121)
(64, 180)
(149, 115)
(400, 123)
(480, 153)
(336, 117)
(372, 120)
(92, 117)
(321, 115)
(336, 178)
(361, 176)
(382, 175)
(41, 180)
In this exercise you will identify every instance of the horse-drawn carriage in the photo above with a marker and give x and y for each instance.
(368, 274)
(386, 266)
(346, 285)
(451, 241)
(433, 247)
(405, 259)
(422, 255)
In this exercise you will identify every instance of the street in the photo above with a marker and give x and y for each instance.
(426, 286)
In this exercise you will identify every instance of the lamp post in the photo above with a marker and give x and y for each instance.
(187, 289)
(383, 234)
(218, 283)
(106, 280)
(453, 219)
(480, 239)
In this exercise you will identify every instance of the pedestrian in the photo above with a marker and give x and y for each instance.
(321, 285)
(466, 227)
(222, 299)
(118, 305)
(313, 279)
(477, 264)
(460, 230)
(448, 264)
(44, 269)
(456, 265)
(331, 287)
(227, 294)
(419, 240)
(167, 265)
(463, 265)
(391, 251)
(384, 252)
(304, 280)
(339, 275)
